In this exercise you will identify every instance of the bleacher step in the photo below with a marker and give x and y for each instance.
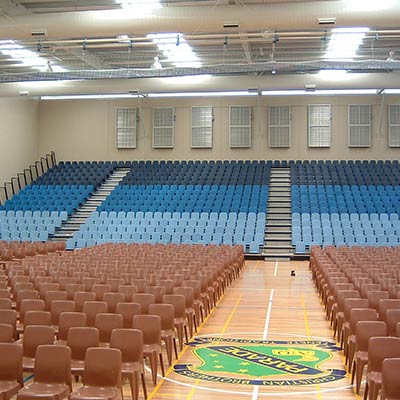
(278, 238)
(277, 215)
(278, 221)
(100, 194)
(279, 189)
(279, 210)
(279, 229)
(271, 244)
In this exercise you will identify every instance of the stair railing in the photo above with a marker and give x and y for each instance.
(16, 183)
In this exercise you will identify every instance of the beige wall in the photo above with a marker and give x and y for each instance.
(18, 135)
(84, 129)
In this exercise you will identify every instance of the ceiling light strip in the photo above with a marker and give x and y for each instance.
(241, 93)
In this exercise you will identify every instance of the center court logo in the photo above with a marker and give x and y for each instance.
(261, 362)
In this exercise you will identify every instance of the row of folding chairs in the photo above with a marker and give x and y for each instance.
(361, 302)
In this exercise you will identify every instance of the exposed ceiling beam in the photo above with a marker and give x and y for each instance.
(13, 8)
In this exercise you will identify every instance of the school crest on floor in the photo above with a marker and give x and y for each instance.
(261, 362)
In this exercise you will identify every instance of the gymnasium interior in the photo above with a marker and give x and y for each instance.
(199, 199)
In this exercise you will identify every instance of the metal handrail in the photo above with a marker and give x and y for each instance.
(16, 183)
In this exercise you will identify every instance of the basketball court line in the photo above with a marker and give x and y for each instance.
(265, 333)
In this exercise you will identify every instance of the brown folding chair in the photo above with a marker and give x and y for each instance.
(130, 343)
(342, 295)
(9, 317)
(30, 305)
(167, 314)
(356, 315)
(387, 304)
(58, 307)
(144, 299)
(22, 286)
(112, 299)
(115, 283)
(349, 304)
(102, 375)
(80, 339)
(89, 282)
(198, 302)
(25, 295)
(5, 304)
(5, 294)
(168, 285)
(80, 298)
(140, 285)
(34, 336)
(204, 296)
(11, 374)
(188, 293)
(369, 287)
(6, 333)
(150, 325)
(394, 291)
(72, 288)
(106, 323)
(392, 319)
(52, 374)
(41, 279)
(127, 291)
(379, 348)
(157, 292)
(66, 280)
(364, 331)
(390, 379)
(128, 311)
(70, 320)
(178, 301)
(53, 295)
(375, 296)
(99, 289)
(47, 286)
(331, 302)
(92, 308)
(37, 318)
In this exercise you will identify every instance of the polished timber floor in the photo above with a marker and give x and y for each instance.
(266, 338)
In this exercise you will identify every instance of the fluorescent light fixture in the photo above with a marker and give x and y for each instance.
(321, 92)
(392, 91)
(26, 57)
(187, 79)
(333, 74)
(202, 94)
(175, 49)
(91, 96)
(140, 7)
(344, 43)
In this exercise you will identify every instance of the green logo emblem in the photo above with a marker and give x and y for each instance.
(261, 362)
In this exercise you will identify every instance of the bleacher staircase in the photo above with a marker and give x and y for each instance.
(278, 232)
(73, 223)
